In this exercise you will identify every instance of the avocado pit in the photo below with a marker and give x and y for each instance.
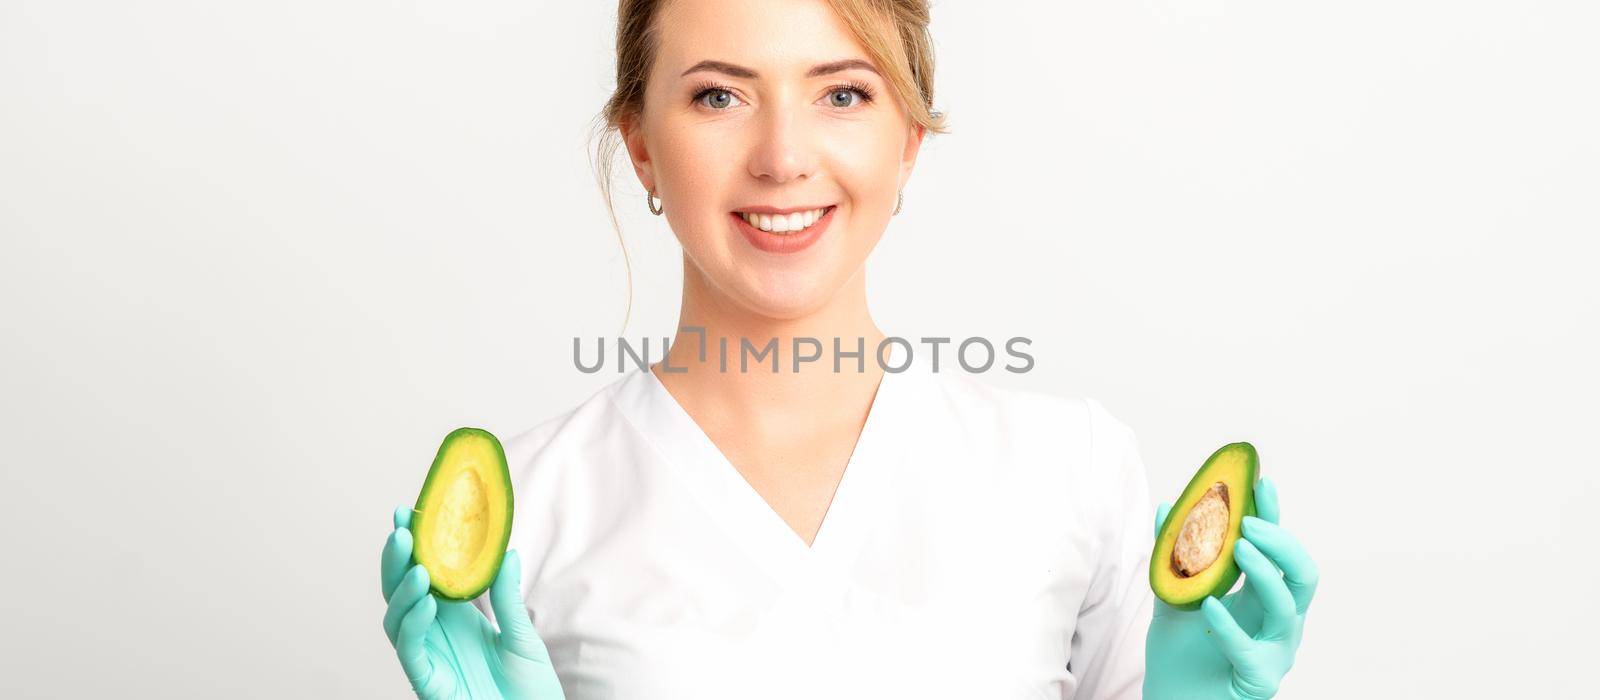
(1204, 530)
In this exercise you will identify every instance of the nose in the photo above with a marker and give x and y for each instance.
(783, 150)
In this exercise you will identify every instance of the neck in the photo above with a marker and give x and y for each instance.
(760, 397)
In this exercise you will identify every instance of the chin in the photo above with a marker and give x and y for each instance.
(786, 296)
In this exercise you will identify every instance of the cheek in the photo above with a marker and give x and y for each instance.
(866, 162)
(695, 150)
(695, 171)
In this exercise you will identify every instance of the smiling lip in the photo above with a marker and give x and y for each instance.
(782, 242)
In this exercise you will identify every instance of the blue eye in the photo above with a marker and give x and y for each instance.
(834, 97)
(859, 88)
(721, 98)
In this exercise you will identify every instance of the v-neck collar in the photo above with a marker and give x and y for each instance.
(723, 493)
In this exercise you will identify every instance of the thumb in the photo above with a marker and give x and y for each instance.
(516, 630)
(1229, 639)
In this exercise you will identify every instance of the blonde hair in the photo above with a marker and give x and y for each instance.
(907, 64)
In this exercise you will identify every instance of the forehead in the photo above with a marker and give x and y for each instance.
(771, 34)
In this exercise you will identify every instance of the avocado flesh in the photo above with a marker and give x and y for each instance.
(1193, 555)
(463, 515)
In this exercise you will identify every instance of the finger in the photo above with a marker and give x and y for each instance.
(505, 596)
(1266, 496)
(411, 589)
(409, 644)
(402, 517)
(396, 559)
(1226, 635)
(1299, 571)
(1161, 515)
(1277, 605)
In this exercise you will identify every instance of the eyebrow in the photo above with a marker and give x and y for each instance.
(738, 71)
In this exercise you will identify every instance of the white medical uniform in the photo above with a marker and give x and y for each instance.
(983, 543)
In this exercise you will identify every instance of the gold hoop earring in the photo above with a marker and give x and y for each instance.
(899, 198)
(650, 201)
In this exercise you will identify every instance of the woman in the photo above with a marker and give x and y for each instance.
(831, 529)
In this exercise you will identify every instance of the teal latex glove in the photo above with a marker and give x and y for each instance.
(448, 649)
(1240, 647)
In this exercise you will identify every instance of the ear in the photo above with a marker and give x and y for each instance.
(908, 157)
(633, 139)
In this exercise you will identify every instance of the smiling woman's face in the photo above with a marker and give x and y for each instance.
(769, 107)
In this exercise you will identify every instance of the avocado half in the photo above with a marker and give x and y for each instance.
(462, 520)
(1193, 556)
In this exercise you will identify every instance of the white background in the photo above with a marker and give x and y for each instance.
(258, 258)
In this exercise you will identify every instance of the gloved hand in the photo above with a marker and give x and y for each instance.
(1240, 647)
(449, 649)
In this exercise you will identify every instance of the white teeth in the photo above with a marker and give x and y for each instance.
(784, 223)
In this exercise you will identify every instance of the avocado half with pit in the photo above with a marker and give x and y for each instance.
(1193, 555)
(462, 520)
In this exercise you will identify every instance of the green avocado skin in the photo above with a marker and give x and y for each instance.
(503, 485)
(1230, 574)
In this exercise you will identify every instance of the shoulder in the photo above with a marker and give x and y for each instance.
(558, 466)
(1069, 445)
(1060, 464)
(1082, 422)
(580, 427)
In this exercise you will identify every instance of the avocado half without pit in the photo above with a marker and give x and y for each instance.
(1193, 555)
(462, 520)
